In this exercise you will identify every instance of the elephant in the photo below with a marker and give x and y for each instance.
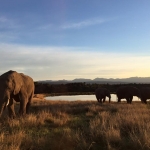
(15, 86)
(101, 93)
(127, 92)
(145, 94)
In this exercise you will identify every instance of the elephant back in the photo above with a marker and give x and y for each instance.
(102, 92)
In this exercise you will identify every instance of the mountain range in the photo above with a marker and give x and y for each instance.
(101, 80)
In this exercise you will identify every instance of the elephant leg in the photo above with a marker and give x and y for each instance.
(11, 109)
(104, 99)
(27, 107)
(145, 101)
(97, 98)
(29, 103)
(119, 100)
(128, 100)
(131, 98)
(22, 110)
(100, 100)
(23, 104)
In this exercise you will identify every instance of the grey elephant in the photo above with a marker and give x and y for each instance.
(127, 92)
(101, 94)
(18, 87)
(145, 94)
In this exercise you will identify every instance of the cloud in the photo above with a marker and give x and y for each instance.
(7, 23)
(45, 27)
(56, 63)
(82, 24)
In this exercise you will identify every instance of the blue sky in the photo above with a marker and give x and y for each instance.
(66, 39)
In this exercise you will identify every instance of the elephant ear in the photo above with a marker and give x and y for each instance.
(17, 80)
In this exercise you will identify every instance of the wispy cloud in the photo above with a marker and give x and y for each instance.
(45, 27)
(7, 23)
(55, 63)
(83, 23)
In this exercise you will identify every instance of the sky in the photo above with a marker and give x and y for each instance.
(69, 39)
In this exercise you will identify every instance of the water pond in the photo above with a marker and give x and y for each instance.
(84, 98)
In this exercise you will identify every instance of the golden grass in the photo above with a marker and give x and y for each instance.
(78, 125)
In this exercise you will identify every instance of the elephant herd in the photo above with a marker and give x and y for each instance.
(124, 92)
(20, 87)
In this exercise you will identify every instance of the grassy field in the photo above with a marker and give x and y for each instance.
(78, 125)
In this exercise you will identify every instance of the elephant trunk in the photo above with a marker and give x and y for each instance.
(1, 109)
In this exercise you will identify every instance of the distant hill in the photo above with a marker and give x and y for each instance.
(101, 80)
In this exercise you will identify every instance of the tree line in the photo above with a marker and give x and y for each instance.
(78, 88)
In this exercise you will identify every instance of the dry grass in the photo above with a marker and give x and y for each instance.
(80, 125)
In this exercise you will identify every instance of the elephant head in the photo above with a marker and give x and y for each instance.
(10, 84)
(136, 92)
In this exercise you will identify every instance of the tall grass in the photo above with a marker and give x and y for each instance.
(79, 125)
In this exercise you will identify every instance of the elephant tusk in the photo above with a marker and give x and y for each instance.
(7, 102)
